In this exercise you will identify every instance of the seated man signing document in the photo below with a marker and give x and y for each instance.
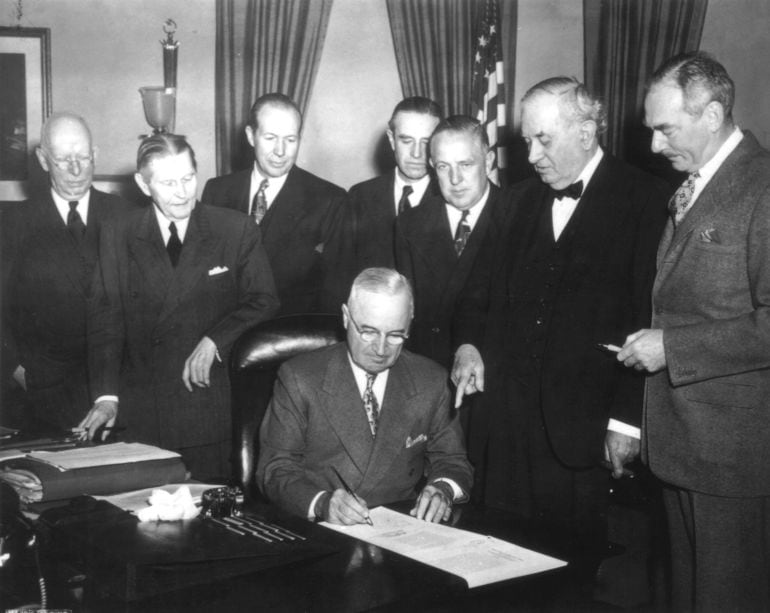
(364, 423)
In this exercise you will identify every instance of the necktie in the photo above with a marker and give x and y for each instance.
(404, 204)
(259, 204)
(682, 198)
(371, 406)
(174, 245)
(574, 191)
(462, 233)
(75, 223)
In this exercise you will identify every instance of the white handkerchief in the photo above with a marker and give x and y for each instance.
(169, 507)
(411, 442)
(218, 270)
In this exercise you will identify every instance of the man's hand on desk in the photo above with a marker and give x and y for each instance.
(103, 413)
(434, 503)
(467, 372)
(197, 367)
(339, 507)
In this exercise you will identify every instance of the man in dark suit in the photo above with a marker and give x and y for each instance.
(49, 250)
(378, 415)
(374, 204)
(706, 431)
(298, 213)
(179, 282)
(437, 243)
(572, 269)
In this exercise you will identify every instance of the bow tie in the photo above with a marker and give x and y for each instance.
(573, 191)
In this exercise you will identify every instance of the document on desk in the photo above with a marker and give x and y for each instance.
(102, 455)
(476, 558)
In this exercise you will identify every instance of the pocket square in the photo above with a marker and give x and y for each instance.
(710, 236)
(411, 442)
(218, 270)
(319, 248)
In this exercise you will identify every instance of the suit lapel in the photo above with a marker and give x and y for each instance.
(60, 246)
(433, 238)
(147, 251)
(395, 423)
(285, 212)
(344, 410)
(197, 248)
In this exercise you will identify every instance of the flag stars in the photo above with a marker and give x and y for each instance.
(483, 41)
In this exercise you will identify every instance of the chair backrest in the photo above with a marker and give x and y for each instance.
(254, 363)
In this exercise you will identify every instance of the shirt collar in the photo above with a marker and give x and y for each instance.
(473, 213)
(710, 168)
(590, 168)
(418, 189)
(360, 376)
(63, 206)
(164, 222)
(274, 185)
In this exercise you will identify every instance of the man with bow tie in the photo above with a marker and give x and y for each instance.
(178, 283)
(364, 423)
(706, 428)
(572, 269)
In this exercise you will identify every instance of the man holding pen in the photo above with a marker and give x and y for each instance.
(364, 423)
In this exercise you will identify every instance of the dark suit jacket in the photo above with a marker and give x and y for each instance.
(45, 283)
(316, 420)
(372, 217)
(426, 255)
(602, 296)
(146, 317)
(300, 234)
(706, 424)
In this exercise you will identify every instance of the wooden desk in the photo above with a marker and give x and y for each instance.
(344, 574)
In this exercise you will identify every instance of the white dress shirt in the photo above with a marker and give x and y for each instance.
(274, 185)
(63, 206)
(562, 209)
(418, 190)
(455, 215)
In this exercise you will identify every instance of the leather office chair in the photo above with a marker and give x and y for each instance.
(254, 363)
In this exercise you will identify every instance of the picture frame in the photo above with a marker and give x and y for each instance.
(25, 103)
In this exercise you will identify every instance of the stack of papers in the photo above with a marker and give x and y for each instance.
(101, 455)
(474, 557)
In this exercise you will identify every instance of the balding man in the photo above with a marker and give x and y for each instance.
(49, 253)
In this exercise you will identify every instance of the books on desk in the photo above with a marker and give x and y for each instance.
(476, 558)
(42, 476)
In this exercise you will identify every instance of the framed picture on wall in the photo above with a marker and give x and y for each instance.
(25, 102)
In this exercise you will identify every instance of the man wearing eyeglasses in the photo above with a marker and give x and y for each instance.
(49, 251)
(364, 423)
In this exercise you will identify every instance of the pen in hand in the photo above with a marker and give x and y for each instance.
(351, 492)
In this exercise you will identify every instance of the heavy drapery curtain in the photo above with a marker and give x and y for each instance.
(625, 41)
(262, 46)
(434, 45)
(433, 40)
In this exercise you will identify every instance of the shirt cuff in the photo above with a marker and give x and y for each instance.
(457, 491)
(106, 397)
(311, 510)
(623, 428)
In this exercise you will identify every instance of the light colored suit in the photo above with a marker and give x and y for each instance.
(706, 428)
(316, 420)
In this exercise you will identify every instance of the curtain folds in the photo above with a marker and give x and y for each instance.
(262, 46)
(433, 41)
(625, 40)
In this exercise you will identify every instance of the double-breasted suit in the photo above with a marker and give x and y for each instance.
(46, 280)
(316, 421)
(372, 218)
(146, 317)
(301, 236)
(537, 307)
(425, 254)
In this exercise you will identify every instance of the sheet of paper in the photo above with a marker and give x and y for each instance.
(136, 500)
(476, 558)
(101, 455)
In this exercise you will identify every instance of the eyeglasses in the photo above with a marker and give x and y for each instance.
(370, 336)
(65, 163)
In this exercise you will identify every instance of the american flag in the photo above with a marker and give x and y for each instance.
(487, 85)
